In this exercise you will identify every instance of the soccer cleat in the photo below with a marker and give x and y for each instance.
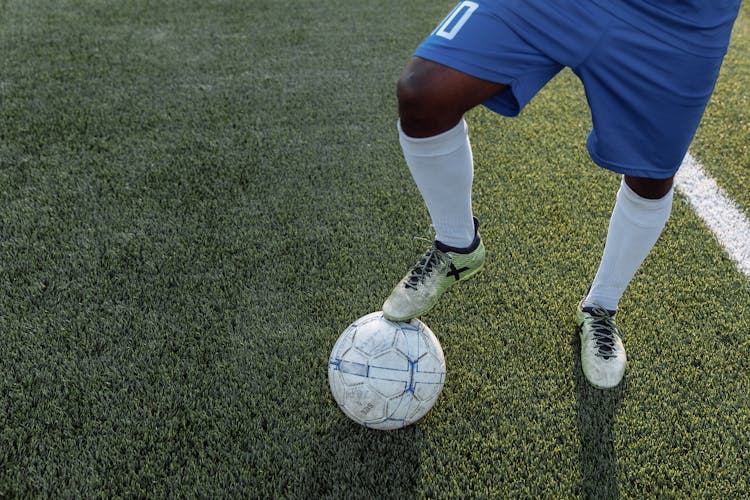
(436, 271)
(602, 353)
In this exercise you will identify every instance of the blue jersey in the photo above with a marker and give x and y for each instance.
(702, 27)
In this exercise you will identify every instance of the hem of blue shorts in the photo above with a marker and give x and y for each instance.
(495, 104)
(627, 170)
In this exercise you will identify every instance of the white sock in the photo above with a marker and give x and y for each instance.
(443, 169)
(635, 226)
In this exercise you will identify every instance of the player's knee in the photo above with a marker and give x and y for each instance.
(415, 99)
(652, 189)
(422, 108)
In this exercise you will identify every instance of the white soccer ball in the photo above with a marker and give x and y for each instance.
(385, 374)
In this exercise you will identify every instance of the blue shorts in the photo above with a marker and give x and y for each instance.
(646, 96)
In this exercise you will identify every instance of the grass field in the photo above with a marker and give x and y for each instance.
(197, 197)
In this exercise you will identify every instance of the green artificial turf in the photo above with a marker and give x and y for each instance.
(197, 197)
(723, 142)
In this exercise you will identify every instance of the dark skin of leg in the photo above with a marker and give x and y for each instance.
(432, 98)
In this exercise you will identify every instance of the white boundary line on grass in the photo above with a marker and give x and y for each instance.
(730, 226)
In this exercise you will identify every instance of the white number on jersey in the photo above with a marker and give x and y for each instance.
(456, 19)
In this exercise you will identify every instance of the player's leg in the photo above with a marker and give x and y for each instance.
(641, 210)
(435, 141)
(468, 60)
(432, 99)
(637, 220)
(647, 99)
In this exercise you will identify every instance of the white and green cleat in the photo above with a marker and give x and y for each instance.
(435, 272)
(603, 356)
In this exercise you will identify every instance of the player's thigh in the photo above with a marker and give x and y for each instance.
(429, 87)
(475, 40)
(647, 99)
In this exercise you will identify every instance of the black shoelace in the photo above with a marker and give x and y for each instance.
(431, 258)
(604, 330)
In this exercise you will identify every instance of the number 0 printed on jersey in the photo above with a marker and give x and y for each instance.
(456, 19)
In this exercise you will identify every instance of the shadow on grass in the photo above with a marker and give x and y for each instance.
(596, 414)
(355, 462)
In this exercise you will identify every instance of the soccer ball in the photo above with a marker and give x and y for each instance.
(385, 374)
